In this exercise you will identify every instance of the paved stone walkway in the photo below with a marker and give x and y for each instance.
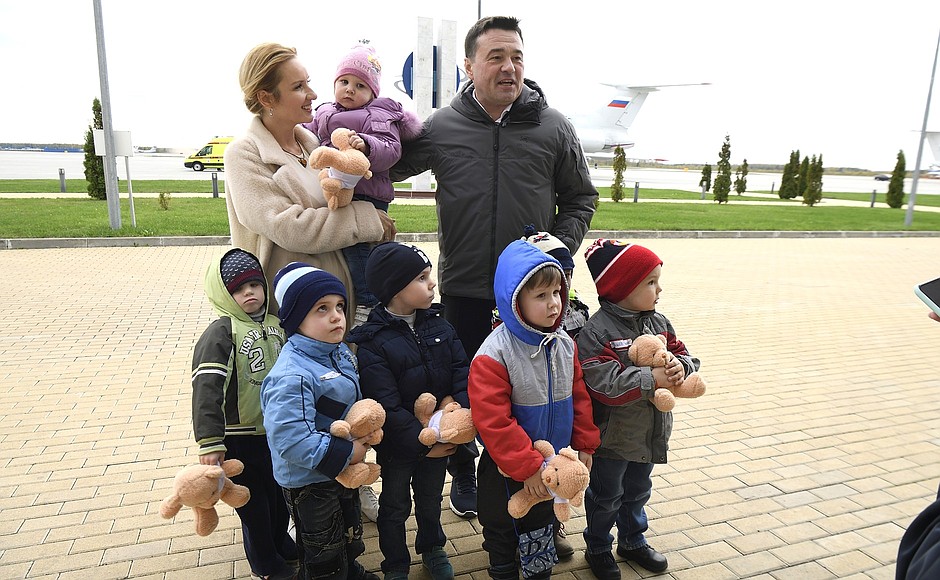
(815, 446)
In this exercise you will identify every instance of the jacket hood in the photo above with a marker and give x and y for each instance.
(518, 262)
(223, 302)
(527, 106)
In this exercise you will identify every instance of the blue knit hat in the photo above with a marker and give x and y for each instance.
(297, 288)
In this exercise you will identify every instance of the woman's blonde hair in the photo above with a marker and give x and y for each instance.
(260, 71)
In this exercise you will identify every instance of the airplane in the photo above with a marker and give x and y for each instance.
(933, 139)
(601, 130)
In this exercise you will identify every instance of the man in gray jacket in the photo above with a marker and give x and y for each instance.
(502, 159)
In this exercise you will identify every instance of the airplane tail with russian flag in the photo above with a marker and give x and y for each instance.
(601, 131)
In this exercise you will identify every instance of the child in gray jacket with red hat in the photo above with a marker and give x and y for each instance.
(634, 434)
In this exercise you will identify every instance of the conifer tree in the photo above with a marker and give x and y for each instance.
(803, 180)
(740, 181)
(620, 165)
(788, 184)
(814, 171)
(895, 196)
(706, 180)
(723, 180)
(94, 165)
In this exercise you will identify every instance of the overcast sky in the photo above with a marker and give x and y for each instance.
(847, 80)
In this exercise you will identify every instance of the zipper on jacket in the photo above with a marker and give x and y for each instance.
(551, 391)
(422, 352)
(336, 367)
(492, 269)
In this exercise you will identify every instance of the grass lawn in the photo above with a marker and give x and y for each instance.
(190, 216)
(81, 186)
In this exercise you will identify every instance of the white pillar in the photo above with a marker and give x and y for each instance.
(422, 83)
(446, 62)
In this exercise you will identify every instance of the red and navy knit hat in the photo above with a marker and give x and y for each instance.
(238, 267)
(618, 267)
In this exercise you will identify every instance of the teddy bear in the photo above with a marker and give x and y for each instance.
(364, 422)
(649, 350)
(200, 487)
(341, 168)
(566, 478)
(454, 424)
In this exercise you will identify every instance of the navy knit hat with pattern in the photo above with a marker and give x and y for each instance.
(618, 267)
(238, 267)
(297, 288)
(391, 267)
(550, 245)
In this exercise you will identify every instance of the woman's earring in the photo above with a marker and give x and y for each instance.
(270, 112)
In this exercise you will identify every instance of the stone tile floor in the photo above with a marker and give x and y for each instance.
(815, 446)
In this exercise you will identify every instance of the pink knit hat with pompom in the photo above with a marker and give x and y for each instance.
(362, 62)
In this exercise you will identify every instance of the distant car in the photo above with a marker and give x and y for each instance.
(882, 177)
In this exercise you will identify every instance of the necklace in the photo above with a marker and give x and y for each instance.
(302, 158)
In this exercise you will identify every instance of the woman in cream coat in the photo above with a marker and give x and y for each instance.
(275, 204)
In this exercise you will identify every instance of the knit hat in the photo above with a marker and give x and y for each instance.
(550, 245)
(238, 267)
(618, 267)
(297, 288)
(391, 267)
(362, 62)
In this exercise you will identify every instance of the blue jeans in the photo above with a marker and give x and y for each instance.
(426, 478)
(356, 257)
(617, 494)
(329, 530)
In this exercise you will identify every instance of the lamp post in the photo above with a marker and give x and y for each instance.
(909, 217)
(110, 167)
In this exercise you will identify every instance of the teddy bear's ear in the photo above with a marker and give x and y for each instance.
(569, 453)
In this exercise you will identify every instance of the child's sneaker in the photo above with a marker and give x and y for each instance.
(437, 564)
(369, 503)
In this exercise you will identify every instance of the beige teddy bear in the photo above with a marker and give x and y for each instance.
(201, 487)
(649, 350)
(363, 422)
(566, 478)
(341, 167)
(453, 425)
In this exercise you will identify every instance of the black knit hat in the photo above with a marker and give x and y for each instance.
(391, 267)
(238, 267)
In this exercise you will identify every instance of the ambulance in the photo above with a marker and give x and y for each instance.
(210, 156)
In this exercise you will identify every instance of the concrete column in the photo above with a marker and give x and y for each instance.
(423, 83)
(446, 62)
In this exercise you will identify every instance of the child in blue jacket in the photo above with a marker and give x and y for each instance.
(313, 383)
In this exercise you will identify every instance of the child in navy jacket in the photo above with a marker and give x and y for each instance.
(405, 349)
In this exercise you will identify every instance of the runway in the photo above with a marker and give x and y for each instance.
(41, 165)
